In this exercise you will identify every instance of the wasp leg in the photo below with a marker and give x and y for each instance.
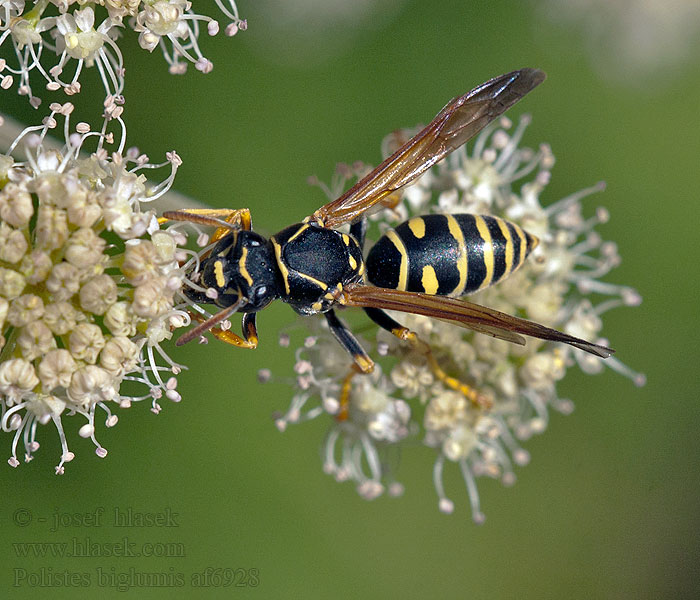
(404, 333)
(358, 230)
(391, 201)
(250, 332)
(224, 219)
(363, 363)
(344, 409)
(348, 341)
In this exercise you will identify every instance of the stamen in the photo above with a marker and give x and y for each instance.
(477, 516)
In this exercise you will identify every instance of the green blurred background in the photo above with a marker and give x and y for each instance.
(608, 506)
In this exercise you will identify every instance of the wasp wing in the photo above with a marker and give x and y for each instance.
(466, 314)
(461, 119)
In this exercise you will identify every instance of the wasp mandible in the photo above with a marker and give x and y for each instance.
(422, 266)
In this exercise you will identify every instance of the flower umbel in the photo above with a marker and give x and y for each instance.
(403, 401)
(85, 34)
(87, 282)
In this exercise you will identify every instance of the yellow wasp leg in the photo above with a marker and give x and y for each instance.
(250, 332)
(391, 201)
(346, 387)
(404, 333)
(235, 340)
(475, 397)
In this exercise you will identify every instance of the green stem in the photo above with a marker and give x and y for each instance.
(34, 15)
(9, 348)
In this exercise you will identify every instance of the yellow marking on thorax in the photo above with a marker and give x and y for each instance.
(219, 273)
(462, 265)
(318, 282)
(353, 262)
(403, 268)
(488, 250)
(280, 265)
(429, 280)
(509, 245)
(346, 239)
(417, 227)
(242, 268)
(301, 230)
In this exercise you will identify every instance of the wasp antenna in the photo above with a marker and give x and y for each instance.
(206, 325)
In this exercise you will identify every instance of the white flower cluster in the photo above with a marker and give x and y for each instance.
(81, 34)
(88, 282)
(403, 399)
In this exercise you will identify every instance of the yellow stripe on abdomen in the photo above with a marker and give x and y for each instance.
(417, 227)
(505, 230)
(488, 250)
(523, 244)
(403, 268)
(462, 264)
(429, 280)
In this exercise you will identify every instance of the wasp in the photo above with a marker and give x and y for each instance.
(423, 266)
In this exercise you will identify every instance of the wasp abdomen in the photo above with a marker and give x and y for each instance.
(448, 255)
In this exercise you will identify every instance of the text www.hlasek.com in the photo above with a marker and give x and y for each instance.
(84, 547)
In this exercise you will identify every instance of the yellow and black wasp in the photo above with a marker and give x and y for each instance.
(422, 266)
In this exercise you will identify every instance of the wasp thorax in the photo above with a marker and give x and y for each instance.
(315, 263)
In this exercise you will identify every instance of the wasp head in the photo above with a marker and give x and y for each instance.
(240, 269)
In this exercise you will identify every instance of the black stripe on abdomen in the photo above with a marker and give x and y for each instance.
(515, 233)
(498, 243)
(476, 268)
